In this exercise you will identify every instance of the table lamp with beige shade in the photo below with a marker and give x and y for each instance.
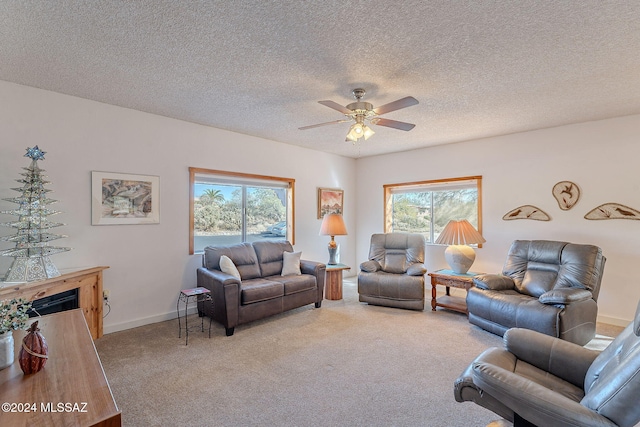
(333, 225)
(459, 235)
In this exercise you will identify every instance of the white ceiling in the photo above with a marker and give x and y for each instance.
(479, 68)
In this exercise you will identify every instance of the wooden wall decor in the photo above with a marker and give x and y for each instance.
(527, 212)
(566, 194)
(612, 211)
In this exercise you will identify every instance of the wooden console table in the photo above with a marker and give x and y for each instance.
(87, 281)
(71, 390)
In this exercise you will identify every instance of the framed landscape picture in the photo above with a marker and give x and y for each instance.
(118, 198)
(330, 200)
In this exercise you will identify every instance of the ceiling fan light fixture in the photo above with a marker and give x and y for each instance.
(367, 132)
(359, 130)
(349, 138)
(361, 111)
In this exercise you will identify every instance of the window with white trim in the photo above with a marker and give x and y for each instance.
(230, 207)
(425, 207)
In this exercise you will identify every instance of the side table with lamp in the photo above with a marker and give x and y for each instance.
(333, 225)
(460, 256)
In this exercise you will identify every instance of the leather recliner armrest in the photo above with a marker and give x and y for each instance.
(532, 401)
(370, 266)
(563, 359)
(416, 270)
(565, 296)
(494, 282)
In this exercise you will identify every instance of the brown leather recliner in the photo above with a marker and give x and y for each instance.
(537, 380)
(394, 274)
(547, 286)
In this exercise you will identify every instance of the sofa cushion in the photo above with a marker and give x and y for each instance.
(581, 265)
(227, 266)
(512, 309)
(243, 256)
(395, 261)
(291, 264)
(256, 290)
(295, 284)
(269, 255)
(386, 285)
(533, 265)
(538, 266)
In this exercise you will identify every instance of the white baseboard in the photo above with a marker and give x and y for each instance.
(108, 329)
(613, 321)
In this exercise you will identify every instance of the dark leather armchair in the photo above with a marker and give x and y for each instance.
(544, 381)
(394, 274)
(550, 287)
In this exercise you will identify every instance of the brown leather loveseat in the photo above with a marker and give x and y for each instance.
(260, 290)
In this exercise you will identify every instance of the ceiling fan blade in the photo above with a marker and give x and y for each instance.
(335, 106)
(396, 105)
(392, 123)
(324, 124)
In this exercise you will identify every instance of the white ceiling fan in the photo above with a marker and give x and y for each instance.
(362, 112)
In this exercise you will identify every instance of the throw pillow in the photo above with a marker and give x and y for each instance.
(227, 266)
(291, 263)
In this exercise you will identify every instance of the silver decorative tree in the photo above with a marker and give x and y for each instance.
(31, 253)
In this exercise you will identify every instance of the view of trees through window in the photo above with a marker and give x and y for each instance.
(228, 213)
(427, 207)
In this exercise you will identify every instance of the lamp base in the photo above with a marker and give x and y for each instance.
(332, 255)
(460, 258)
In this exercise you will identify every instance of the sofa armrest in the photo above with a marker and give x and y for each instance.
(565, 296)
(318, 270)
(312, 267)
(214, 278)
(416, 270)
(225, 292)
(561, 358)
(494, 282)
(370, 266)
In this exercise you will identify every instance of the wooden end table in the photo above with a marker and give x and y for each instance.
(333, 279)
(450, 279)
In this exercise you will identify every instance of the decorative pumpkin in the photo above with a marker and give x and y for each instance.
(34, 351)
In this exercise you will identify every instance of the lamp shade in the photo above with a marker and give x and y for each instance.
(459, 233)
(333, 225)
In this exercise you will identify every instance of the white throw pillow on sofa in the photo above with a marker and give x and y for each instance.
(227, 266)
(291, 264)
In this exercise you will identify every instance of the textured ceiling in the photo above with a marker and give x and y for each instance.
(478, 68)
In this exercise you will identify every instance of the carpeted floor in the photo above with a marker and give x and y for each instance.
(345, 364)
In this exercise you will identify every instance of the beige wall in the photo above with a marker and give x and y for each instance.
(600, 156)
(149, 263)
